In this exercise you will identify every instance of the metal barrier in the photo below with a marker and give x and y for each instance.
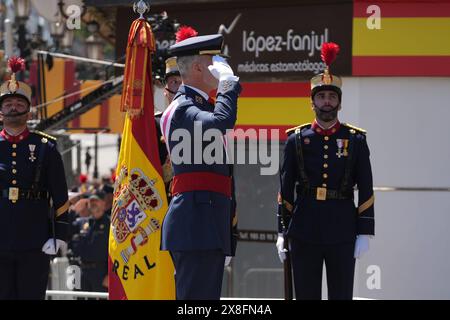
(58, 276)
(74, 295)
(261, 281)
(412, 189)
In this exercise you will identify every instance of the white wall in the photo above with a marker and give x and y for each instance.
(407, 120)
(408, 134)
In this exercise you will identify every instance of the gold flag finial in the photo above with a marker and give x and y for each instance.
(141, 7)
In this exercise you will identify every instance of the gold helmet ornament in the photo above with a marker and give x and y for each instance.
(13, 87)
(171, 68)
(325, 80)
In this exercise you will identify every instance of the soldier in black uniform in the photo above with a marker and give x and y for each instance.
(31, 175)
(91, 246)
(78, 216)
(322, 163)
(108, 190)
(172, 81)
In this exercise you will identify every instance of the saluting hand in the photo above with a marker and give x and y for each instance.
(221, 70)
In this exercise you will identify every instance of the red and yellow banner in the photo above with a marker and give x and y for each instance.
(61, 81)
(274, 106)
(137, 267)
(412, 39)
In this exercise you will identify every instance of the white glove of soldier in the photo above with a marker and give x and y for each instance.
(361, 245)
(49, 246)
(227, 261)
(280, 247)
(221, 70)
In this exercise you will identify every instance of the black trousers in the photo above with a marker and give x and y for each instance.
(24, 276)
(307, 264)
(198, 274)
(92, 279)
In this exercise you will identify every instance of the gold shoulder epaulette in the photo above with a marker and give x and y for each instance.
(359, 130)
(45, 135)
(292, 130)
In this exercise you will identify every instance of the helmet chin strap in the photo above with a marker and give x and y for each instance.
(14, 115)
(325, 111)
(321, 113)
(170, 91)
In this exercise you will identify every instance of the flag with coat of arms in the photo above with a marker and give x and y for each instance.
(137, 269)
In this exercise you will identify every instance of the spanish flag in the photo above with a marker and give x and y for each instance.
(272, 105)
(137, 268)
(412, 38)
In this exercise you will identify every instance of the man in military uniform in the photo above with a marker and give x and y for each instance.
(197, 229)
(172, 79)
(108, 191)
(91, 246)
(172, 82)
(322, 163)
(31, 176)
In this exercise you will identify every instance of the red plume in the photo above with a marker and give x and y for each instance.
(16, 64)
(185, 32)
(82, 178)
(329, 52)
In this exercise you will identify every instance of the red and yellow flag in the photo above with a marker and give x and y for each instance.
(137, 267)
(256, 106)
(412, 38)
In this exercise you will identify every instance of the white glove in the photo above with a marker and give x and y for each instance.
(227, 261)
(221, 70)
(280, 247)
(361, 245)
(49, 246)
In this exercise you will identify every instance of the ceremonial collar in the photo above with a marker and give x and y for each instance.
(17, 138)
(325, 132)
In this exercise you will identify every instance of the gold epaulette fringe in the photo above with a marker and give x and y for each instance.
(45, 135)
(292, 130)
(359, 130)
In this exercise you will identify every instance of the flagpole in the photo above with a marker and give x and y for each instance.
(140, 202)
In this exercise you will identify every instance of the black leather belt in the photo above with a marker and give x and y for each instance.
(15, 194)
(326, 194)
(93, 265)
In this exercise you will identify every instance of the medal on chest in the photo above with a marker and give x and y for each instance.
(345, 147)
(342, 148)
(342, 145)
(32, 148)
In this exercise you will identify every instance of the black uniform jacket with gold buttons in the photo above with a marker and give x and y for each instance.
(92, 245)
(24, 210)
(319, 204)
